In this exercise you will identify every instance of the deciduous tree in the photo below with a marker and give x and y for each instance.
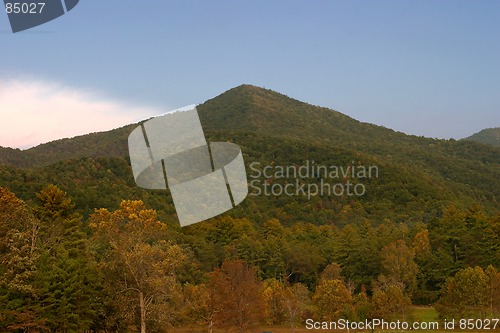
(332, 300)
(236, 295)
(295, 303)
(139, 264)
(467, 294)
(18, 265)
(390, 302)
(399, 266)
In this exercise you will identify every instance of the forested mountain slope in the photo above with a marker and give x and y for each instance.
(417, 175)
(426, 227)
(490, 136)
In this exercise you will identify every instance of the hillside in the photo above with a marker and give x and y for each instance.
(265, 112)
(489, 136)
(11, 156)
(251, 109)
(426, 220)
(418, 175)
(102, 144)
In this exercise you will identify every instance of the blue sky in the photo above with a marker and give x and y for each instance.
(427, 68)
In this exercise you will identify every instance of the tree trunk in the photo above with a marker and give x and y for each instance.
(142, 306)
(210, 326)
(34, 232)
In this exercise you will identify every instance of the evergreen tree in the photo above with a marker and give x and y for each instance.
(65, 279)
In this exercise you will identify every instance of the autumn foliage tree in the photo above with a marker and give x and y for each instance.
(389, 302)
(285, 303)
(197, 306)
(399, 266)
(139, 264)
(274, 294)
(236, 295)
(295, 303)
(333, 300)
(18, 265)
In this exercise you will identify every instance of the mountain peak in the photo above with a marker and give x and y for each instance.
(249, 108)
(250, 91)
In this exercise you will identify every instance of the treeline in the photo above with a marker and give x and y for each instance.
(124, 270)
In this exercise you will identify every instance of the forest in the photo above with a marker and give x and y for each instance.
(124, 270)
(83, 249)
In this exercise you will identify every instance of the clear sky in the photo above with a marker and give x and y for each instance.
(427, 68)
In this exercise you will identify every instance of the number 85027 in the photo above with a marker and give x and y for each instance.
(24, 7)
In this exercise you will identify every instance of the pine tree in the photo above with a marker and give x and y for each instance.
(65, 277)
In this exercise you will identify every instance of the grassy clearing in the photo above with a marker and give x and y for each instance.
(425, 314)
(420, 314)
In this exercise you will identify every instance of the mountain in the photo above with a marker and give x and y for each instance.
(489, 136)
(418, 176)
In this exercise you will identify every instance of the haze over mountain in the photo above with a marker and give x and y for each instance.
(418, 174)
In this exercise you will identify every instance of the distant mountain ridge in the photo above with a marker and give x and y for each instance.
(489, 136)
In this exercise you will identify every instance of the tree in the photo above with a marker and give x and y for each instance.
(65, 277)
(479, 241)
(362, 305)
(273, 264)
(421, 245)
(18, 265)
(494, 280)
(295, 303)
(18, 235)
(399, 266)
(333, 300)
(139, 264)
(426, 292)
(358, 253)
(467, 294)
(303, 254)
(274, 295)
(197, 305)
(390, 302)
(273, 228)
(285, 303)
(236, 295)
(462, 239)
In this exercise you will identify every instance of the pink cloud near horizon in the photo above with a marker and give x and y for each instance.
(35, 112)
